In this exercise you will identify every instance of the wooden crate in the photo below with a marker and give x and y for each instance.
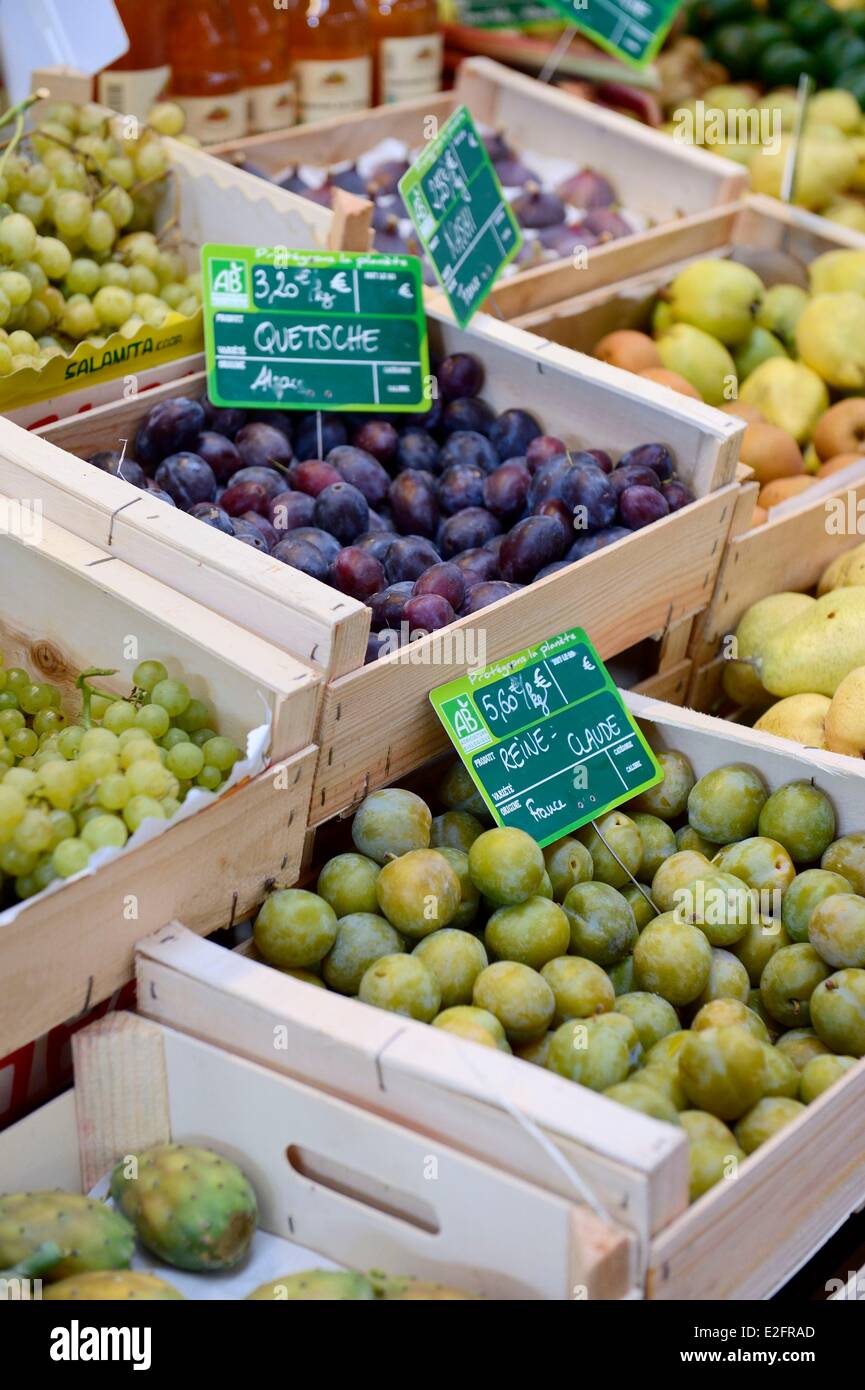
(741, 1240)
(67, 606)
(653, 175)
(376, 721)
(332, 1179)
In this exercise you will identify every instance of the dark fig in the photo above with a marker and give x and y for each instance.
(587, 190)
(535, 208)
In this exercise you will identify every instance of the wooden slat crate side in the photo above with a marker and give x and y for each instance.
(670, 685)
(66, 952)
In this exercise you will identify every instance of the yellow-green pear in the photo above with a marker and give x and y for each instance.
(727, 97)
(801, 718)
(662, 318)
(837, 106)
(846, 212)
(845, 719)
(830, 337)
(837, 271)
(701, 360)
(758, 347)
(815, 651)
(822, 130)
(757, 625)
(857, 183)
(783, 106)
(720, 297)
(780, 312)
(834, 575)
(854, 572)
(789, 394)
(824, 169)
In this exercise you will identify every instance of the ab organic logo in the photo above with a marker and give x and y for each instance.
(228, 284)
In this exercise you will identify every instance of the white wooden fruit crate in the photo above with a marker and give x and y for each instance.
(333, 1180)
(742, 1240)
(376, 722)
(68, 605)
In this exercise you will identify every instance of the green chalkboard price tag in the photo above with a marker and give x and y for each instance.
(633, 30)
(460, 214)
(503, 14)
(314, 330)
(546, 738)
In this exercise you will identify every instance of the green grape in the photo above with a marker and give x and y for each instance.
(170, 806)
(54, 302)
(119, 207)
(79, 321)
(82, 277)
(43, 874)
(185, 761)
(104, 832)
(113, 305)
(5, 308)
(15, 170)
(172, 695)
(93, 765)
(141, 749)
(174, 295)
(132, 327)
(100, 232)
(112, 273)
(91, 118)
(140, 247)
(150, 160)
(194, 717)
(33, 831)
(62, 826)
(49, 721)
(68, 741)
(60, 783)
(119, 716)
(87, 815)
(100, 740)
(202, 736)
(147, 778)
(23, 743)
(22, 344)
(113, 792)
(141, 808)
(221, 753)
(15, 286)
(33, 274)
(71, 214)
(5, 360)
(34, 698)
(70, 175)
(209, 777)
(170, 266)
(17, 235)
(153, 719)
(26, 887)
(120, 170)
(17, 861)
(151, 309)
(189, 306)
(148, 674)
(17, 678)
(131, 735)
(2, 671)
(142, 280)
(39, 179)
(30, 206)
(22, 780)
(37, 318)
(174, 736)
(70, 857)
(7, 759)
(98, 706)
(167, 118)
(193, 283)
(12, 808)
(47, 133)
(11, 717)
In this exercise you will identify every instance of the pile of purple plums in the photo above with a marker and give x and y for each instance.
(426, 518)
(582, 211)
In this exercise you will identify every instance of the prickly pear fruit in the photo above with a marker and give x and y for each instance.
(90, 1235)
(111, 1284)
(35, 1265)
(403, 1288)
(191, 1207)
(314, 1285)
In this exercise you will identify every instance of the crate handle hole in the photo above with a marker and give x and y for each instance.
(364, 1188)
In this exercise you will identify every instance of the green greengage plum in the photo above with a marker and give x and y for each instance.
(401, 985)
(699, 1124)
(506, 865)
(519, 998)
(623, 837)
(781, 1077)
(659, 843)
(756, 1006)
(456, 830)
(807, 891)
(688, 838)
(348, 882)
(537, 1051)
(719, 903)
(801, 818)
(580, 988)
(764, 865)
(725, 804)
(838, 1012)
(545, 887)
(582, 1050)
(621, 975)
(470, 898)
(675, 874)
(847, 858)
(821, 1073)
(723, 1070)
(757, 947)
(458, 793)
(306, 977)
(361, 939)
(532, 932)
(801, 1045)
(673, 959)
(728, 979)
(627, 1029)
(664, 1077)
(468, 1031)
(459, 1015)
(643, 911)
(725, 1013)
(666, 1049)
(789, 980)
(295, 928)
(710, 1161)
(455, 958)
(568, 862)
(767, 1117)
(645, 1099)
(602, 926)
(836, 930)
(419, 892)
(670, 797)
(651, 1015)
(391, 822)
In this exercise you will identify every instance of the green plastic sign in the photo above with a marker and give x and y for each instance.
(314, 330)
(460, 214)
(546, 738)
(633, 30)
(503, 14)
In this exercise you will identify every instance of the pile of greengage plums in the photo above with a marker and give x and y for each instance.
(708, 972)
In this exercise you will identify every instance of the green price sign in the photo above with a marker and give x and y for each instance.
(633, 30)
(314, 330)
(546, 738)
(460, 214)
(503, 14)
